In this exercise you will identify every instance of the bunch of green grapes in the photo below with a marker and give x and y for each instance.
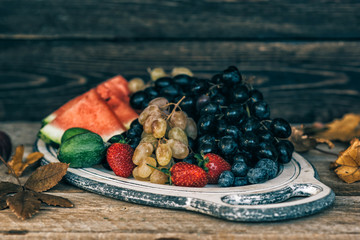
(165, 137)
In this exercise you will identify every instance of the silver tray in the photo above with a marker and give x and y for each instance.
(294, 193)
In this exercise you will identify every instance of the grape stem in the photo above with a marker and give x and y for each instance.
(176, 106)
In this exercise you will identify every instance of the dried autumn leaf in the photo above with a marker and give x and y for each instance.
(7, 188)
(54, 200)
(46, 177)
(343, 129)
(348, 163)
(24, 204)
(3, 203)
(303, 143)
(17, 163)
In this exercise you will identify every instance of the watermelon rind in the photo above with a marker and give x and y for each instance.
(51, 134)
(48, 119)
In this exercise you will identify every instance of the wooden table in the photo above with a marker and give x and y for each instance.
(303, 56)
(98, 217)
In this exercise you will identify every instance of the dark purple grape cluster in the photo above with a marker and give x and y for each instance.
(234, 121)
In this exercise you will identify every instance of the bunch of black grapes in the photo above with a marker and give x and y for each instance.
(233, 120)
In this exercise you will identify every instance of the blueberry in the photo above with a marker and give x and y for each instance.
(239, 169)
(226, 179)
(257, 175)
(241, 181)
(269, 165)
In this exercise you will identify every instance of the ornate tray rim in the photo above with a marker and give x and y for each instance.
(294, 193)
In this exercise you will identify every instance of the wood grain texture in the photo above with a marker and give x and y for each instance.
(181, 19)
(302, 81)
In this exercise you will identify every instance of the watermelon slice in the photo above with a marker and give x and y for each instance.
(62, 109)
(118, 105)
(91, 112)
(118, 84)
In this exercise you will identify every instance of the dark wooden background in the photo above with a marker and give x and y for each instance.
(304, 55)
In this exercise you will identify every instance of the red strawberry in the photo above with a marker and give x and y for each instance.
(119, 157)
(214, 165)
(188, 175)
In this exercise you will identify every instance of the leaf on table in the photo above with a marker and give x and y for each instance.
(17, 163)
(348, 163)
(46, 177)
(24, 204)
(303, 142)
(8, 187)
(344, 129)
(3, 203)
(54, 200)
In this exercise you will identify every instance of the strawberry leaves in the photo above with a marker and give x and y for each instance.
(25, 200)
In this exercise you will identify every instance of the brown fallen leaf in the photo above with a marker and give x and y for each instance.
(46, 177)
(344, 129)
(348, 163)
(303, 143)
(17, 163)
(54, 200)
(26, 200)
(24, 204)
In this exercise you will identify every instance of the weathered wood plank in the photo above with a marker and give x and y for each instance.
(302, 81)
(186, 19)
(108, 217)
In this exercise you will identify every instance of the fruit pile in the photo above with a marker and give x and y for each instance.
(233, 122)
(190, 131)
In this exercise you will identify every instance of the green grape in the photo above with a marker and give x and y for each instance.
(136, 84)
(149, 121)
(149, 110)
(178, 134)
(144, 170)
(178, 119)
(158, 128)
(179, 150)
(150, 139)
(163, 154)
(142, 151)
(191, 128)
(162, 103)
(159, 177)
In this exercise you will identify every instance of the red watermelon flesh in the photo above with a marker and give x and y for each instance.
(90, 112)
(121, 108)
(118, 86)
